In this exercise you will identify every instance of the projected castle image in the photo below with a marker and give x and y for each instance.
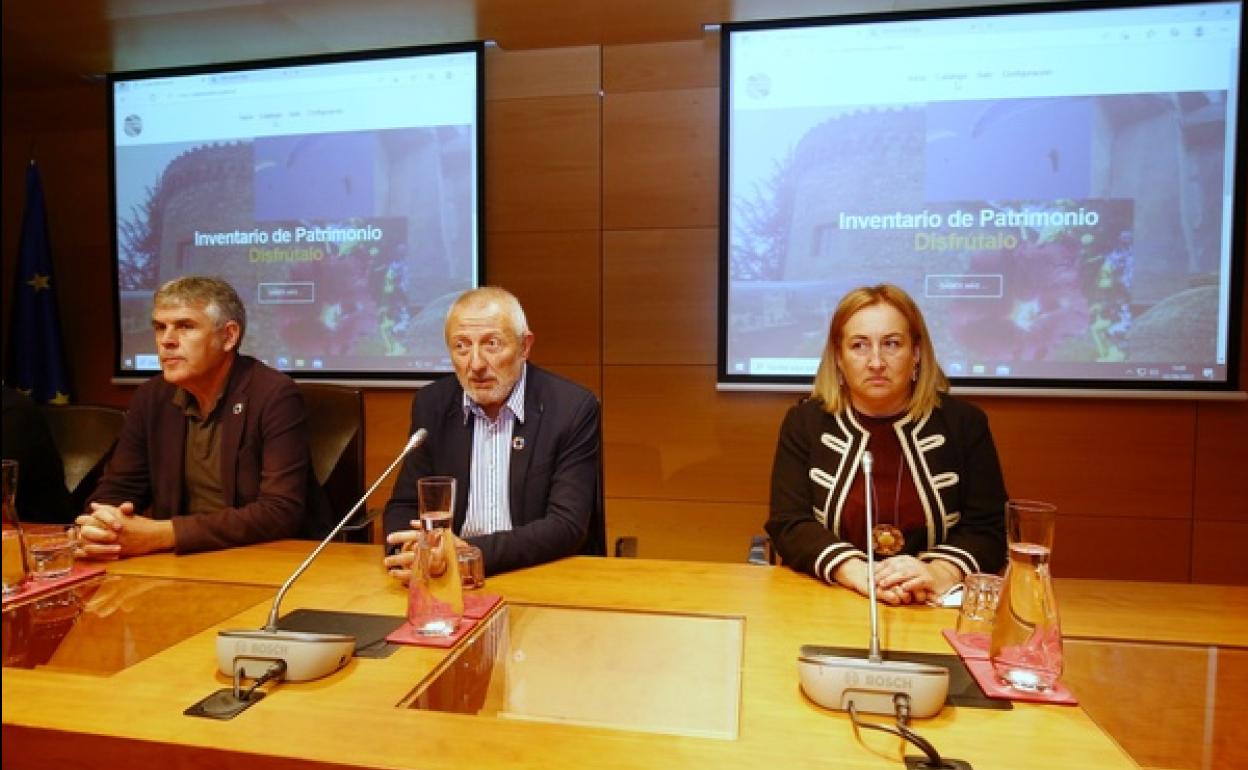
(1063, 229)
(341, 240)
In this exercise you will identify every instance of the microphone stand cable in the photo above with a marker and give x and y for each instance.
(274, 671)
(901, 705)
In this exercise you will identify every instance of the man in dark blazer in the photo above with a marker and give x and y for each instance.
(522, 443)
(214, 452)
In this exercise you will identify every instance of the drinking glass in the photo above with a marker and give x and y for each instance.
(980, 593)
(471, 566)
(437, 501)
(1026, 649)
(49, 550)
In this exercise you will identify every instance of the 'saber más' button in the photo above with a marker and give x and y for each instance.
(969, 286)
(293, 292)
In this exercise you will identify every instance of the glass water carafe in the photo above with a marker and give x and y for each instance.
(1026, 648)
(435, 593)
(435, 604)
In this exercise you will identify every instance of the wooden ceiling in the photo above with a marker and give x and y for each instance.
(47, 43)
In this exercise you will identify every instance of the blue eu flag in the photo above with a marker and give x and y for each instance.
(36, 355)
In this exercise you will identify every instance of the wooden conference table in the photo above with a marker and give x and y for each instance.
(1143, 659)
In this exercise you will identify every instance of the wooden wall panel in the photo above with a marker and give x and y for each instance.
(568, 22)
(543, 72)
(589, 376)
(660, 163)
(534, 25)
(542, 164)
(34, 114)
(387, 419)
(558, 278)
(692, 531)
(1218, 551)
(1091, 457)
(659, 298)
(1221, 488)
(670, 436)
(648, 20)
(661, 66)
(1118, 548)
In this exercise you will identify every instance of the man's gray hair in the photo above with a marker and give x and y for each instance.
(218, 297)
(491, 295)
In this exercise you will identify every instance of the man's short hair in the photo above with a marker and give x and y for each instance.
(217, 296)
(490, 295)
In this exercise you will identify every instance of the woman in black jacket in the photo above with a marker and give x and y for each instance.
(939, 495)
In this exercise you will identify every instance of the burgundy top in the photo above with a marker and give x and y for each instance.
(901, 509)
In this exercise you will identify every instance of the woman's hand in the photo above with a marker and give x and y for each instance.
(853, 574)
(915, 581)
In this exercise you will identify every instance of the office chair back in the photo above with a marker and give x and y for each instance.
(336, 443)
(85, 436)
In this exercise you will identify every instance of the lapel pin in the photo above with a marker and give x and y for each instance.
(517, 443)
(238, 408)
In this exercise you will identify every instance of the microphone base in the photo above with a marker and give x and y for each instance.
(307, 655)
(834, 681)
(223, 704)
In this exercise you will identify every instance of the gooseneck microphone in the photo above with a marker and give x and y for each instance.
(305, 655)
(868, 463)
(840, 682)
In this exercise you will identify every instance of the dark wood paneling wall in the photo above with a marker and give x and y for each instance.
(668, 321)
(601, 203)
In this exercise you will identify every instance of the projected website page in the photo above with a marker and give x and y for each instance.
(339, 199)
(1054, 190)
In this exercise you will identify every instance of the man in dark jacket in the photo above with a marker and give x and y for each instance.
(214, 452)
(521, 442)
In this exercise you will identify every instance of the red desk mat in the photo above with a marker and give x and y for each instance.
(476, 606)
(34, 588)
(976, 659)
(970, 647)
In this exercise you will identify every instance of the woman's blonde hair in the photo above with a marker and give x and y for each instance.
(830, 388)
